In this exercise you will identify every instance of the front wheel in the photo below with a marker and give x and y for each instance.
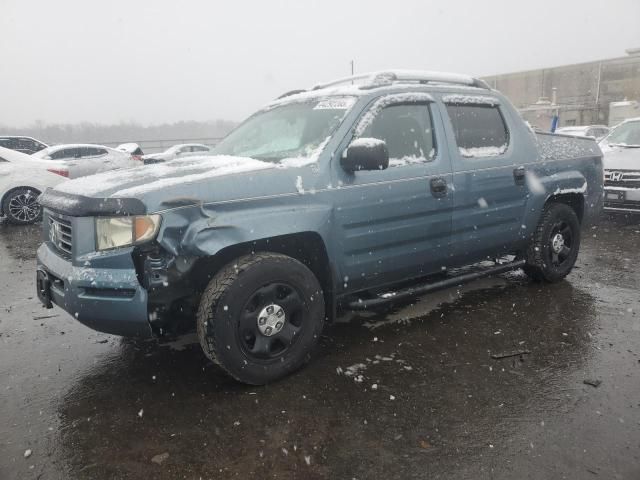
(260, 317)
(554, 248)
(21, 206)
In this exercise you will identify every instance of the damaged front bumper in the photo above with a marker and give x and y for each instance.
(110, 300)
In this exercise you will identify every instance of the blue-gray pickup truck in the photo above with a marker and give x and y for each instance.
(349, 195)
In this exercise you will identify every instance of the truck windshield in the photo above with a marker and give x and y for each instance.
(291, 131)
(626, 135)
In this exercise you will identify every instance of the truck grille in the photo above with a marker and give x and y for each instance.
(61, 235)
(622, 178)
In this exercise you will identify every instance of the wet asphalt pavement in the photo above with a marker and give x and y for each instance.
(419, 396)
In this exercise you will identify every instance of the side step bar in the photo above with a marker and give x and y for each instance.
(372, 303)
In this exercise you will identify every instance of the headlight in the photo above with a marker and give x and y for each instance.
(113, 232)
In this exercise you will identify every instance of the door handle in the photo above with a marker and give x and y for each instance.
(519, 175)
(438, 187)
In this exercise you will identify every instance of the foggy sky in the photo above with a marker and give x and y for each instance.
(161, 61)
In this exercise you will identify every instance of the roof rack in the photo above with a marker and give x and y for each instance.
(389, 77)
(291, 92)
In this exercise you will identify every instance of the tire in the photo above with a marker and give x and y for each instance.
(20, 206)
(556, 241)
(260, 317)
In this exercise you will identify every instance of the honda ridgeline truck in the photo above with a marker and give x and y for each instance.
(349, 195)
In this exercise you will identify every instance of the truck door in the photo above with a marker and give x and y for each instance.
(395, 223)
(488, 179)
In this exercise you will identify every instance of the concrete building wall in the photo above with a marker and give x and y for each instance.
(584, 90)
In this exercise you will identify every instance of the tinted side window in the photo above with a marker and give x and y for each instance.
(60, 154)
(26, 145)
(74, 153)
(480, 130)
(407, 131)
(200, 149)
(10, 143)
(93, 151)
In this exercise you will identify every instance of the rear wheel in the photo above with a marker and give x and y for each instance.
(554, 248)
(21, 206)
(260, 317)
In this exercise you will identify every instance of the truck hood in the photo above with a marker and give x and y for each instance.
(155, 187)
(621, 158)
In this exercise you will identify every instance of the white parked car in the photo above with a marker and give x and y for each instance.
(133, 149)
(594, 131)
(22, 180)
(82, 160)
(621, 164)
(177, 151)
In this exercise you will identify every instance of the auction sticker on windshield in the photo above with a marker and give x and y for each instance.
(341, 103)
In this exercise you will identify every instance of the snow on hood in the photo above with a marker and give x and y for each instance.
(136, 181)
(621, 158)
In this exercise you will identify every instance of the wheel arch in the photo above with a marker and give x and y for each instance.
(307, 247)
(575, 200)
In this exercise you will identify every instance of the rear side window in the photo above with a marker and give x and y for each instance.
(93, 152)
(61, 154)
(480, 130)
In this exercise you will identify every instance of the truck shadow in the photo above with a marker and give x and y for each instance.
(386, 387)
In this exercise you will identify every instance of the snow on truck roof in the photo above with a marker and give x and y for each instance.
(357, 85)
(389, 77)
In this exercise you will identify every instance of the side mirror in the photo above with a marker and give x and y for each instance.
(365, 154)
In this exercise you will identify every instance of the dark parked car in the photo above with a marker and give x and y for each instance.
(344, 196)
(26, 145)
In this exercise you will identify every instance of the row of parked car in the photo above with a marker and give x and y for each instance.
(28, 167)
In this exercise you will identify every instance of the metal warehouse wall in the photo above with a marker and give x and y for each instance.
(584, 90)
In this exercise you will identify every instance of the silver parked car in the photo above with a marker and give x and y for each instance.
(621, 162)
(80, 160)
(177, 151)
(594, 131)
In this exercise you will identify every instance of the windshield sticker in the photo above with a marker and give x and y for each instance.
(335, 103)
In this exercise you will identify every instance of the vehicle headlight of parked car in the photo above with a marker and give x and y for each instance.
(114, 232)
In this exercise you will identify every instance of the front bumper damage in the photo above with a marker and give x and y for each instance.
(109, 300)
